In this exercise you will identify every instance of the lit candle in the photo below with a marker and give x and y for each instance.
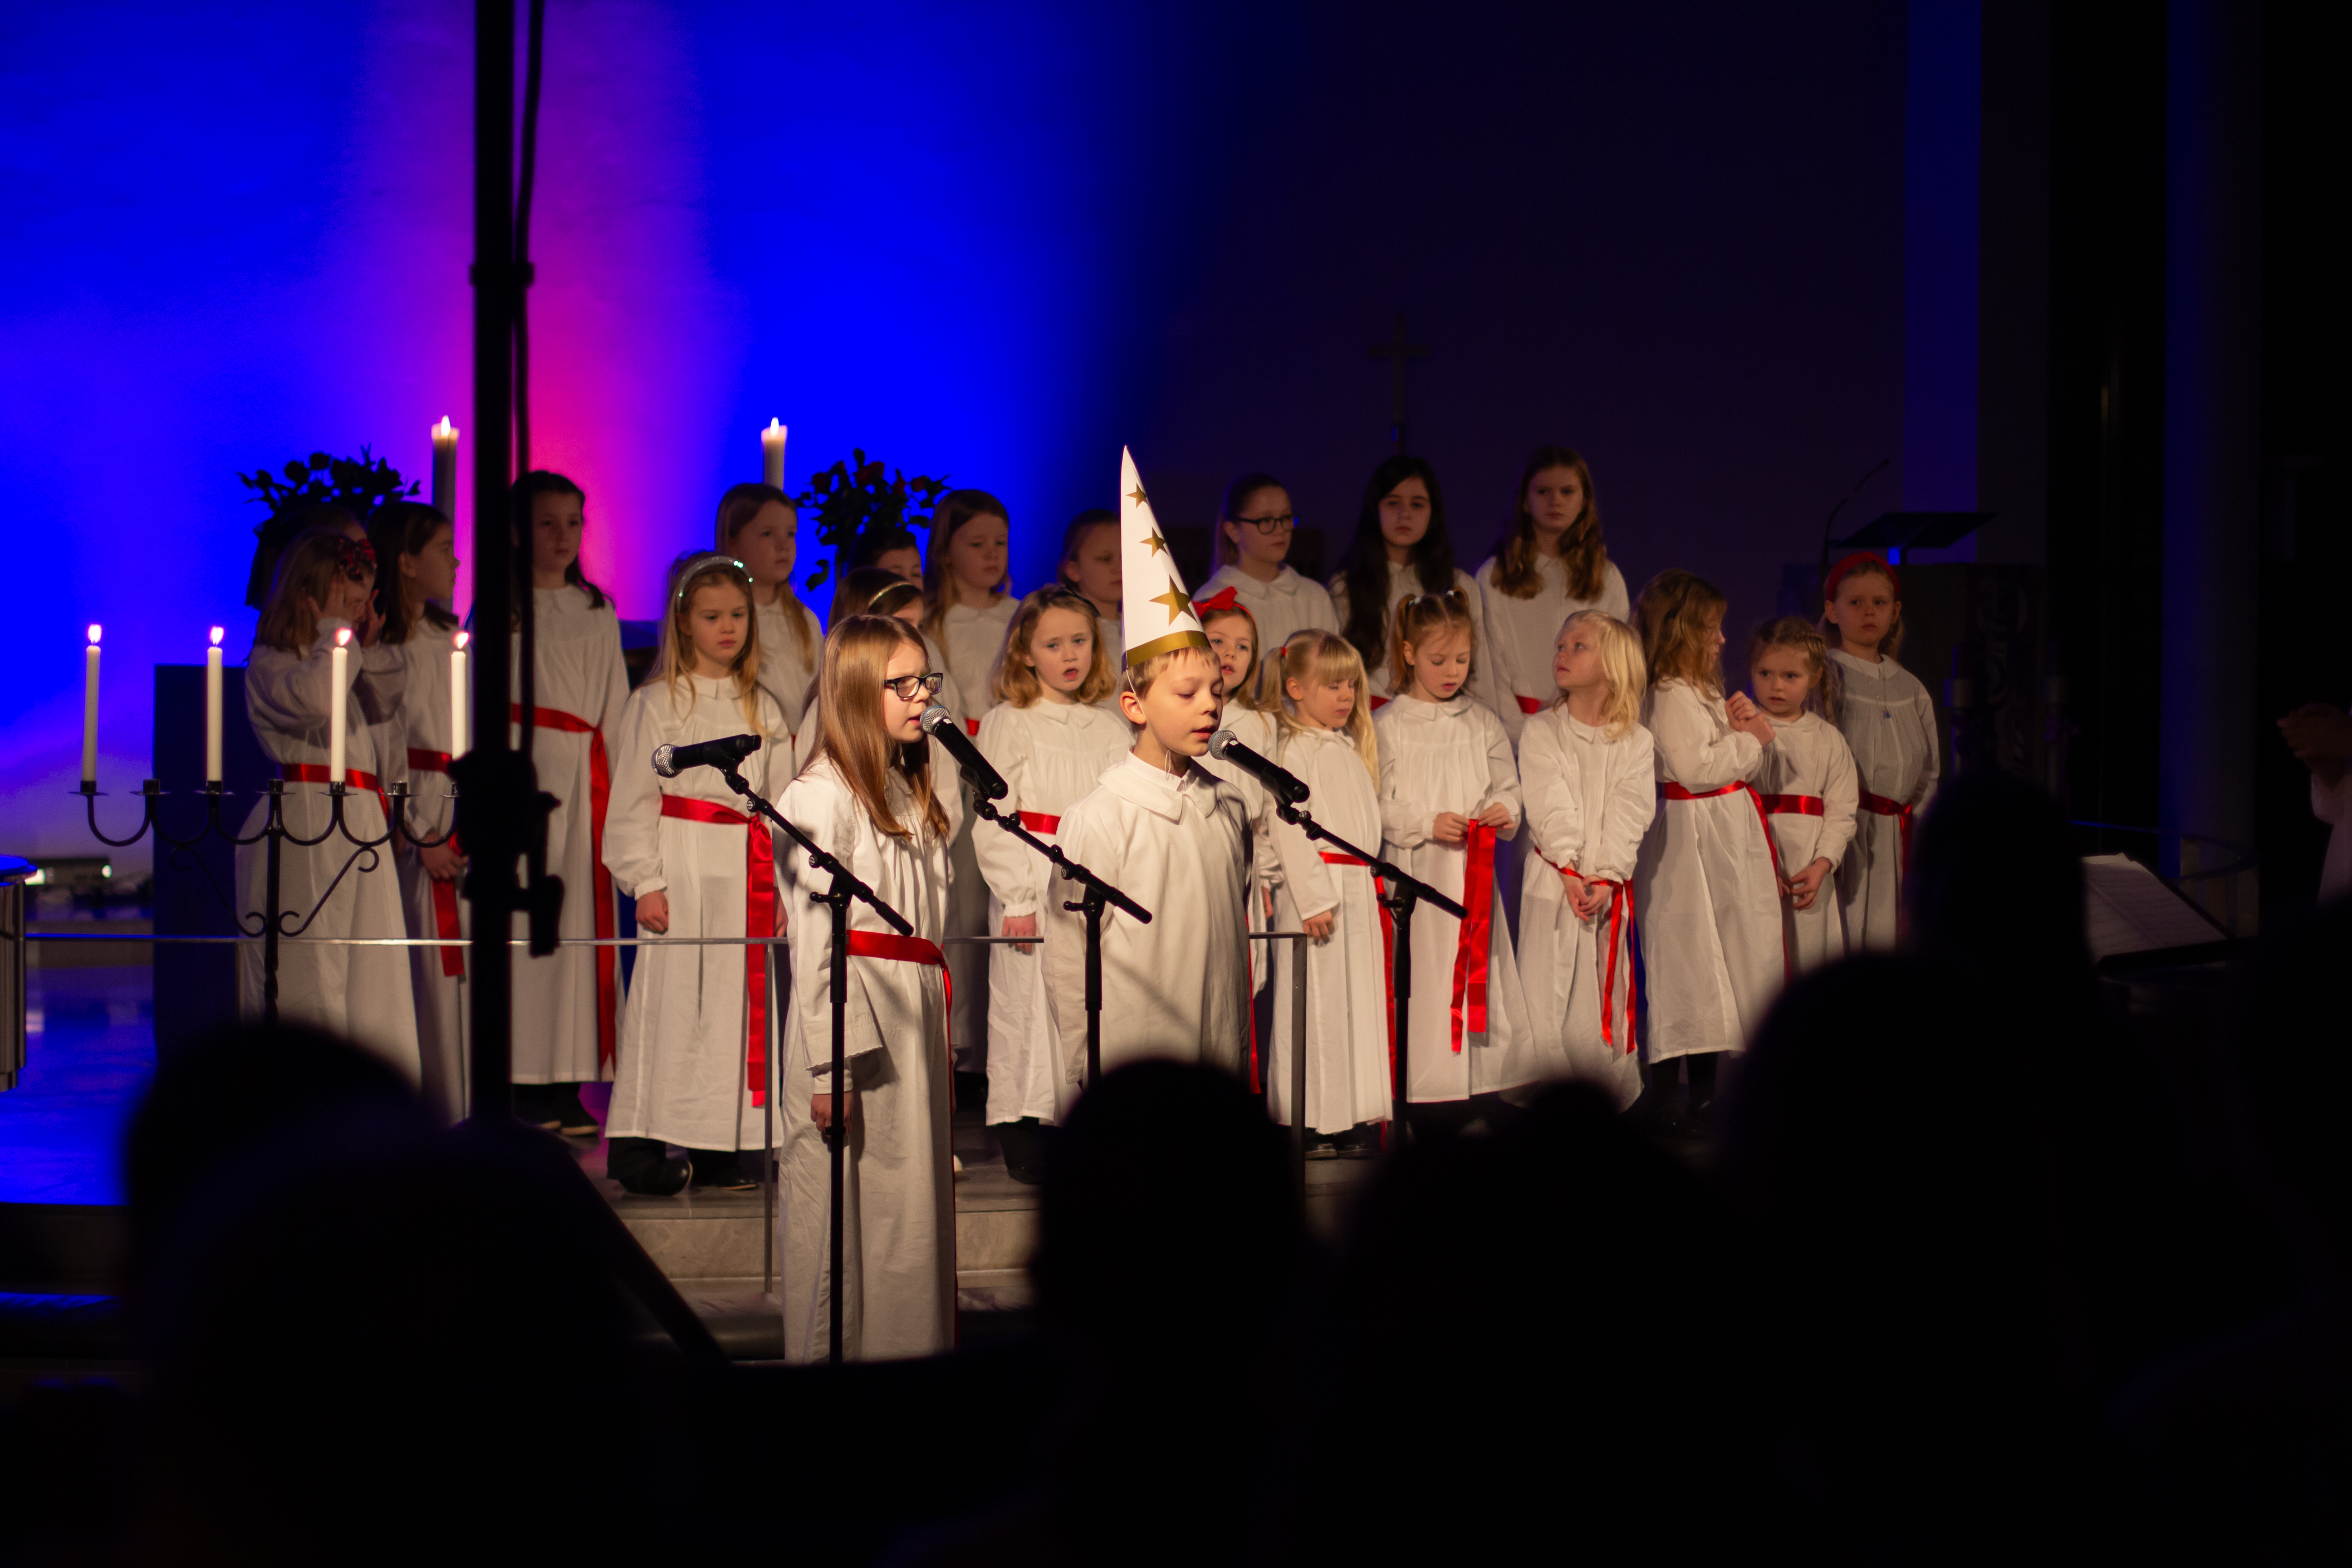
(459, 741)
(90, 711)
(771, 454)
(445, 468)
(338, 704)
(212, 710)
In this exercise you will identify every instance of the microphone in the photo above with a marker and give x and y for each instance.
(985, 780)
(1279, 782)
(671, 761)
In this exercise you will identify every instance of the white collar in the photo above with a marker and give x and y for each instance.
(1414, 709)
(1161, 792)
(1877, 669)
(1059, 712)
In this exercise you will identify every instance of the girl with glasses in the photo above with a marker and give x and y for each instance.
(1256, 525)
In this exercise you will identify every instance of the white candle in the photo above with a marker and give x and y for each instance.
(89, 711)
(212, 710)
(459, 741)
(445, 468)
(338, 704)
(771, 454)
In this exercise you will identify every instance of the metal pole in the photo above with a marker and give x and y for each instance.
(487, 785)
(1094, 907)
(274, 832)
(1299, 1062)
(774, 1082)
(838, 1137)
(1404, 962)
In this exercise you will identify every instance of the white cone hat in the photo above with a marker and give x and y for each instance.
(1157, 615)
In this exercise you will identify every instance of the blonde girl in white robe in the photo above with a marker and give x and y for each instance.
(696, 1028)
(1256, 525)
(1450, 806)
(868, 796)
(756, 526)
(1051, 739)
(1591, 793)
(415, 548)
(1402, 548)
(1889, 722)
(1706, 883)
(322, 597)
(567, 1005)
(1328, 741)
(968, 610)
(1552, 563)
(1806, 781)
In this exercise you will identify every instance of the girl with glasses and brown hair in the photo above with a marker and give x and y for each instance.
(1255, 523)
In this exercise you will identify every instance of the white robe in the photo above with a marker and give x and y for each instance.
(1890, 725)
(1453, 756)
(1521, 635)
(1712, 958)
(424, 726)
(2332, 804)
(898, 1203)
(1288, 606)
(972, 639)
(1808, 757)
(1256, 730)
(788, 678)
(556, 999)
(1347, 976)
(1590, 799)
(1177, 988)
(1051, 754)
(361, 994)
(682, 1072)
(1404, 581)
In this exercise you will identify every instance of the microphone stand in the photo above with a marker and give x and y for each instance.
(1098, 893)
(1406, 890)
(845, 887)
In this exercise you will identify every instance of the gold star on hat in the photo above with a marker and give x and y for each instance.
(1149, 577)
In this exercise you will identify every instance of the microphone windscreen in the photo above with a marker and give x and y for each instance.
(662, 763)
(1218, 742)
(934, 716)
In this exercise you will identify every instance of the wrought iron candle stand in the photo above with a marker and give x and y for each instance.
(270, 922)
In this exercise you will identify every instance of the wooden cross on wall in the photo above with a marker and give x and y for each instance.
(1397, 351)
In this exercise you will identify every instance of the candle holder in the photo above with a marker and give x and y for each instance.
(268, 923)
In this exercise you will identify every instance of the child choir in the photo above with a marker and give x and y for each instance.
(1524, 739)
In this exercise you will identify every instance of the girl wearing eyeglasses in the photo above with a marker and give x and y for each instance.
(1255, 524)
(869, 796)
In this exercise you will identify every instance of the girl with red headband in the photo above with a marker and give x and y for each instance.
(1889, 722)
(1707, 882)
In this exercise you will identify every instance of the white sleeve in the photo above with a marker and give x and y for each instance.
(1554, 810)
(1405, 817)
(1304, 872)
(1613, 594)
(293, 692)
(633, 816)
(1841, 799)
(1006, 865)
(1632, 804)
(1689, 751)
(1497, 656)
(1931, 766)
(1502, 775)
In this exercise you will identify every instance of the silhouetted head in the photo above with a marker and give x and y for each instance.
(1995, 880)
(2297, 1076)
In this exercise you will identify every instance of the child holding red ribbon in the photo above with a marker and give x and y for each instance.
(1707, 882)
(1591, 795)
(322, 597)
(1327, 739)
(1806, 780)
(696, 1028)
(1889, 722)
(567, 1005)
(417, 551)
(1553, 562)
(1449, 791)
(1052, 740)
(870, 796)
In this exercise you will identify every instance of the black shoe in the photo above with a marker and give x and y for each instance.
(1022, 1145)
(571, 1118)
(1362, 1143)
(533, 1108)
(1318, 1147)
(720, 1171)
(662, 1178)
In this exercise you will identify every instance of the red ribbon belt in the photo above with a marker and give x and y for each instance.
(971, 727)
(1530, 705)
(444, 894)
(1388, 953)
(909, 949)
(1794, 806)
(1332, 859)
(1473, 945)
(1902, 813)
(759, 920)
(1676, 792)
(600, 795)
(316, 772)
(1379, 703)
(1039, 822)
(1620, 930)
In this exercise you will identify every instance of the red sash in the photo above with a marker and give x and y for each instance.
(759, 920)
(1039, 822)
(1388, 958)
(971, 728)
(1675, 792)
(1882, 807)
(909, 949)
(1794, 805)
(1474, 942)
(1379, 703)
(444, 894)
(600, 795)
(1621, 929)
(316, 772)
(1531, 705)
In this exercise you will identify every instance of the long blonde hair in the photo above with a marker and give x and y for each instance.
(1317, 658)
(849, 701)
(1801, 636)
(1016, 680)
(1620, 656)
(688, 575)
(736, 508)
(1677, 611)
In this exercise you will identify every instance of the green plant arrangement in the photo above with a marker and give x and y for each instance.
(853, 501)
(359, 485)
